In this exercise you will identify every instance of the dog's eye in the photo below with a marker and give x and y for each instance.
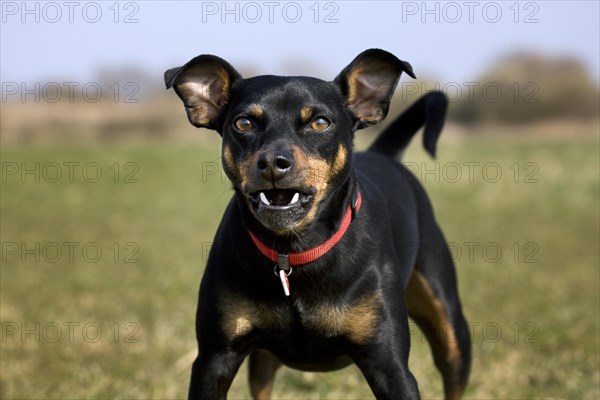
(243, 124)
(320, 124)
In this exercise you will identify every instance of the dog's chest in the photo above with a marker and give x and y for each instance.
(356, 321)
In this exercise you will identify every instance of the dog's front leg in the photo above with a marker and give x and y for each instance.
(387, 375)
(212, 374)
(383, 360)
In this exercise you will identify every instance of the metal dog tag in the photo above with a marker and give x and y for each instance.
(285, 283)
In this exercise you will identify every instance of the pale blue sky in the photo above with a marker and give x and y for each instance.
(467, 37)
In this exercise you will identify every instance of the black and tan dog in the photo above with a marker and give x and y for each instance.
(322, 253)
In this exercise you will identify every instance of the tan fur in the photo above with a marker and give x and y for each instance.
(317, 173)
(340, 160)
(262, 368)
(312, 171)
(240, 316)
(246, 166)
(361, 319)
(352, 84)
(357, 321)
(305, 114)
(256, 111)
(263, 392)
(230, 163)
(422, 302)
(225, 84)
(368, 115)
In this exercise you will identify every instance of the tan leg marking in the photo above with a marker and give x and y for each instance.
(422, 303)
(262, 368)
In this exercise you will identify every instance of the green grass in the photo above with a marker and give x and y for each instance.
(535, 323)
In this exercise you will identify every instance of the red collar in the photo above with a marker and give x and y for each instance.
(285, 260)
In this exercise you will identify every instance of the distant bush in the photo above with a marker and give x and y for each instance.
(525, 88)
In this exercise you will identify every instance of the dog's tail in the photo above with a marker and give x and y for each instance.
(429, 110)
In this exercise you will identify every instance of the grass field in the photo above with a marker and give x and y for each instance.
(103, 247)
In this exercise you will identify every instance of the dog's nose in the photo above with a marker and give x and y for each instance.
(275, 166)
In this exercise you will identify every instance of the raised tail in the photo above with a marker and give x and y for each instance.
(429, 110)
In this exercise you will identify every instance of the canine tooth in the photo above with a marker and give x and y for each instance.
(295, 198)
(264, 199)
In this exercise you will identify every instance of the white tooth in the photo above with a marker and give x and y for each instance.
(264, 199)
(295, 198)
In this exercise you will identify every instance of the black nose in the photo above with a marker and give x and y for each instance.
(274, 166)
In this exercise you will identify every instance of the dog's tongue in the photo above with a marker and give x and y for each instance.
(280, 197)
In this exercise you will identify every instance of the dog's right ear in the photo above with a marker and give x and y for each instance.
(204, 85)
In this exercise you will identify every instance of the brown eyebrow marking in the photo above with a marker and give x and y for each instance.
(305, 114)
(256, 111)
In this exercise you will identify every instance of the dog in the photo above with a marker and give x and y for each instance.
(323, 253)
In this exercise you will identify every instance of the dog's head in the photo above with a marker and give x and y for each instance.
(287, 141)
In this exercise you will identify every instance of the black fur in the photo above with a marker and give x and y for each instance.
(288, 135)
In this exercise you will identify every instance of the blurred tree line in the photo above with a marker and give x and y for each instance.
(524, 88)
(126, 102)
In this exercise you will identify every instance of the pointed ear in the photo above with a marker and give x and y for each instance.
(368, 84)
(204, 85)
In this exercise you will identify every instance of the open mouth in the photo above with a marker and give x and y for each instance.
(280, 199)
(280, 210)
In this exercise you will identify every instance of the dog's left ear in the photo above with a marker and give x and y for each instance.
(368, 84)
(204, 85)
